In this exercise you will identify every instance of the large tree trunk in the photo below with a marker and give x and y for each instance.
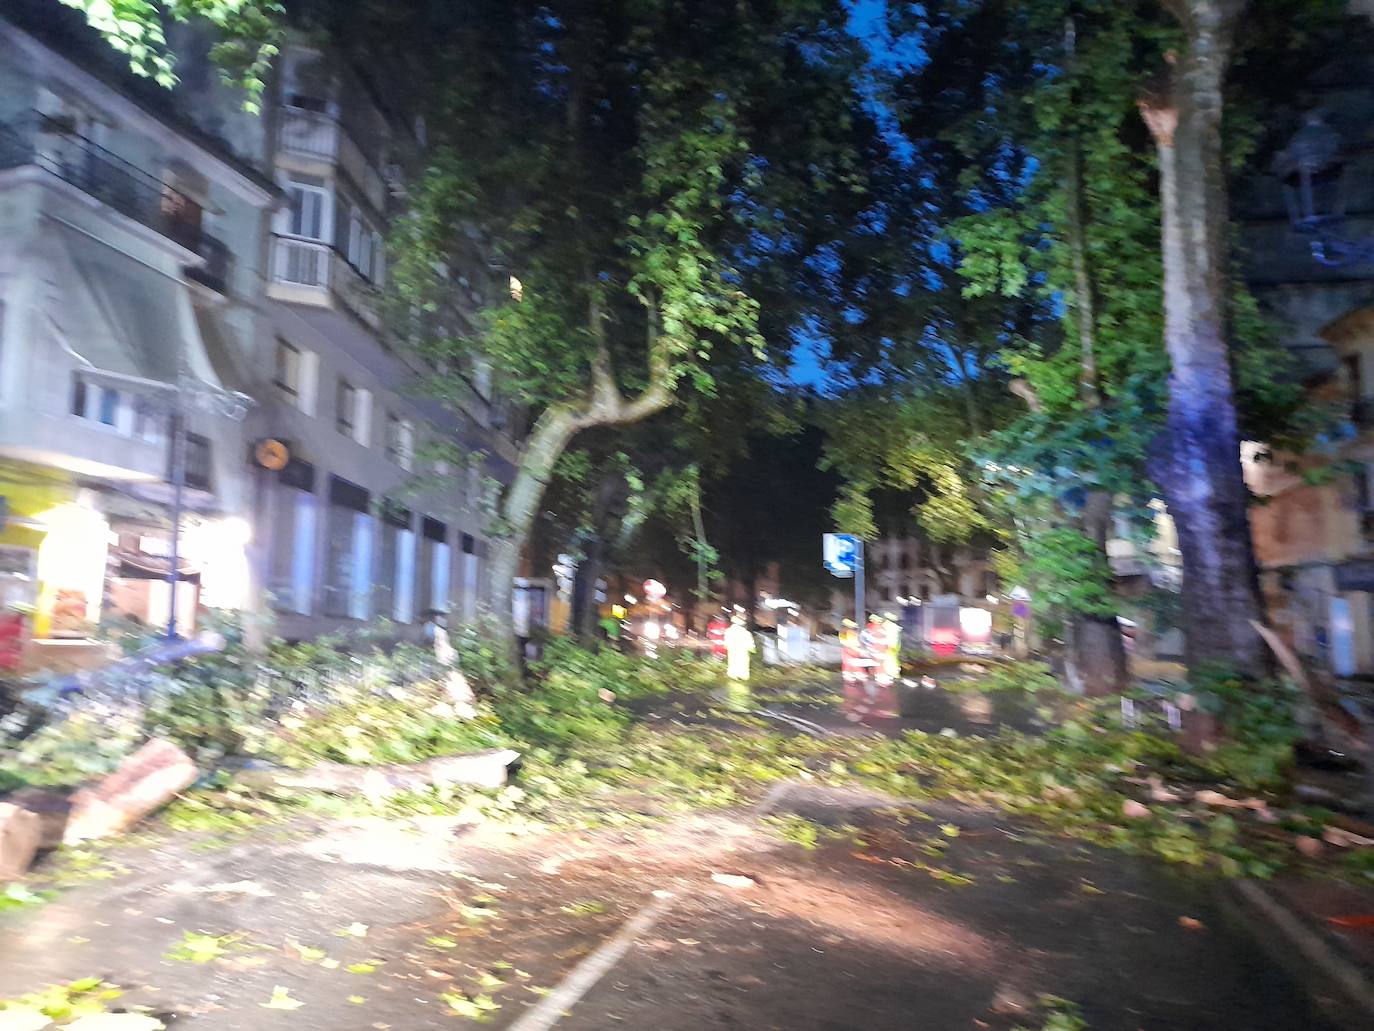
(519, 508)
(1202, 479)
(1096, 659)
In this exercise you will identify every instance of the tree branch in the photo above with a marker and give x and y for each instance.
(608, 406)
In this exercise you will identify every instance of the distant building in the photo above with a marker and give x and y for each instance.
(902, 573)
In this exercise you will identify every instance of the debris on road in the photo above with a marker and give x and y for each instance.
(733, 880)
(143, 783)
(20, 833)
(1131, 809)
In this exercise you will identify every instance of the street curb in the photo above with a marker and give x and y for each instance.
(1307, 954)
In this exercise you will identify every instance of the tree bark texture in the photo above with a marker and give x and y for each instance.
(519, 508)
(1202, 479)
(1096, 653)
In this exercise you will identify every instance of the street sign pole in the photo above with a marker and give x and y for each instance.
(859, 581)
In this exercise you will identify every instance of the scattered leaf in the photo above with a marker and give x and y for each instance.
(474, 1007)
(281, 1000)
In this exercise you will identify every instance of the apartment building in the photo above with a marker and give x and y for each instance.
(127, 272)
(363, 526)
(177, 275)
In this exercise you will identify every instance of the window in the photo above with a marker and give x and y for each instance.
(355, 237)
(295, 375)
(364, 261)
(400, 440)
(396, 565)
(470, 577)
(346, 409)
(378, 270)
(127, 413)
(353, 411)
(198, 468)
(292, 565)
(348, 552)
(288, 369)
(307, 208)
(434, 566)
(147, 421)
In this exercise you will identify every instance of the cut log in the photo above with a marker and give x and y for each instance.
(19, 836)
(485, 769)
(52, 808)
(144, 782)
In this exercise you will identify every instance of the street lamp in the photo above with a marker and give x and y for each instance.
(1312, 170)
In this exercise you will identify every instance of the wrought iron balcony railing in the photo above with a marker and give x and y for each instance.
(47, 143)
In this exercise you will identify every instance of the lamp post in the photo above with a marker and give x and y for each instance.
(216, 400)
(1312, 170)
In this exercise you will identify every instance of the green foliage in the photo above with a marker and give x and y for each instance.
(1024, 677)
(63, 1004)
(1059, 1015)
(400, 727)
(82, 747)
(247, 36)
(1069, 570)
(1259, 722)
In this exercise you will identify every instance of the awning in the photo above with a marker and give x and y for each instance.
(117, 315)
(216, 336)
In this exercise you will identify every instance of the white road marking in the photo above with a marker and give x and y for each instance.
(587, 973)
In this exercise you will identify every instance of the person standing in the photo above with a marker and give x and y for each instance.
(739, 642)
(715, 634)
(851, 664)
(894, 646)
(873, 640)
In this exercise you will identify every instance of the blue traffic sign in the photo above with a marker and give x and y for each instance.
(841, 553)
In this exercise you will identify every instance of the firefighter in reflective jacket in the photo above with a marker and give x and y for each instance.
(874, 644)
(715, 634)
(739, 642)
(894, 646)
(851, 665)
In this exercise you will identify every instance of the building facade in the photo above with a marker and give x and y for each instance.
(189, 292)
(1312, 526)
(366, 523)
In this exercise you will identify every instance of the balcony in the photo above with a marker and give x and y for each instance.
(42, 142)
(318, 137)
(313, 272)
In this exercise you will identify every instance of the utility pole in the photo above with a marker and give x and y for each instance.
(859, 580)
(178, 430)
